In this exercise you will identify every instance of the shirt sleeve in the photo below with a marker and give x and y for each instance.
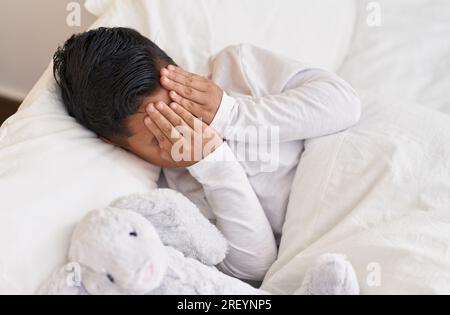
(238, 213)
(301, 102)
(227, 110)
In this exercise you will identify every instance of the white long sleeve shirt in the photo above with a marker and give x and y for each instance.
(247, 197)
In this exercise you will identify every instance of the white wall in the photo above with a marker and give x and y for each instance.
(30, 32)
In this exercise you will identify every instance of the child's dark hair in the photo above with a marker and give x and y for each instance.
(104, 74)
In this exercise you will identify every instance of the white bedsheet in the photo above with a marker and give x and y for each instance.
(405, 60)
(380, 193)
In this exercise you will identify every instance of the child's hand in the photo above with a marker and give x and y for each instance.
(183, 139)
(200, 96)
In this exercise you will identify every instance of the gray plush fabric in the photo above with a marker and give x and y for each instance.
(160, 243)
(179, 224)
(332, 274)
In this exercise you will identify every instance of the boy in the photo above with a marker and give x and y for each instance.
(120, 85)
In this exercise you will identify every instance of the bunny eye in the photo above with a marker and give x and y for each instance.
(110, 278)
(133, 234)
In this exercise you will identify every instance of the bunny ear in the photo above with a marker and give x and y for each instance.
(179, 224)
(65, 281)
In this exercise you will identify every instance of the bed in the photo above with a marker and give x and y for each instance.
(379, 192)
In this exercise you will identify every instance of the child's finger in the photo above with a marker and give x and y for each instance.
(163, 142)
(193, 122)
(185, 91)
(162, 123)
(185, 73)
(192, 81)
(191, 106)
(172, 117)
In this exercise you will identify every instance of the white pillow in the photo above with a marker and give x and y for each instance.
(52, 171)
(316, 32)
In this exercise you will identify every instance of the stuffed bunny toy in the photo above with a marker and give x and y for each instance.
(157, 243)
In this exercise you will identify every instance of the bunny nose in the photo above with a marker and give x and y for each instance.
(147, 273)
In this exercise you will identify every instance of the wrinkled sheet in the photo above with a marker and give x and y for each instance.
(380, 192)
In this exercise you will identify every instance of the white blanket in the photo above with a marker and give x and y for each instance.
(380, 193)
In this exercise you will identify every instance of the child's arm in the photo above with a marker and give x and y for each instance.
(302, 102)
(314, 103)
(239, 215)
